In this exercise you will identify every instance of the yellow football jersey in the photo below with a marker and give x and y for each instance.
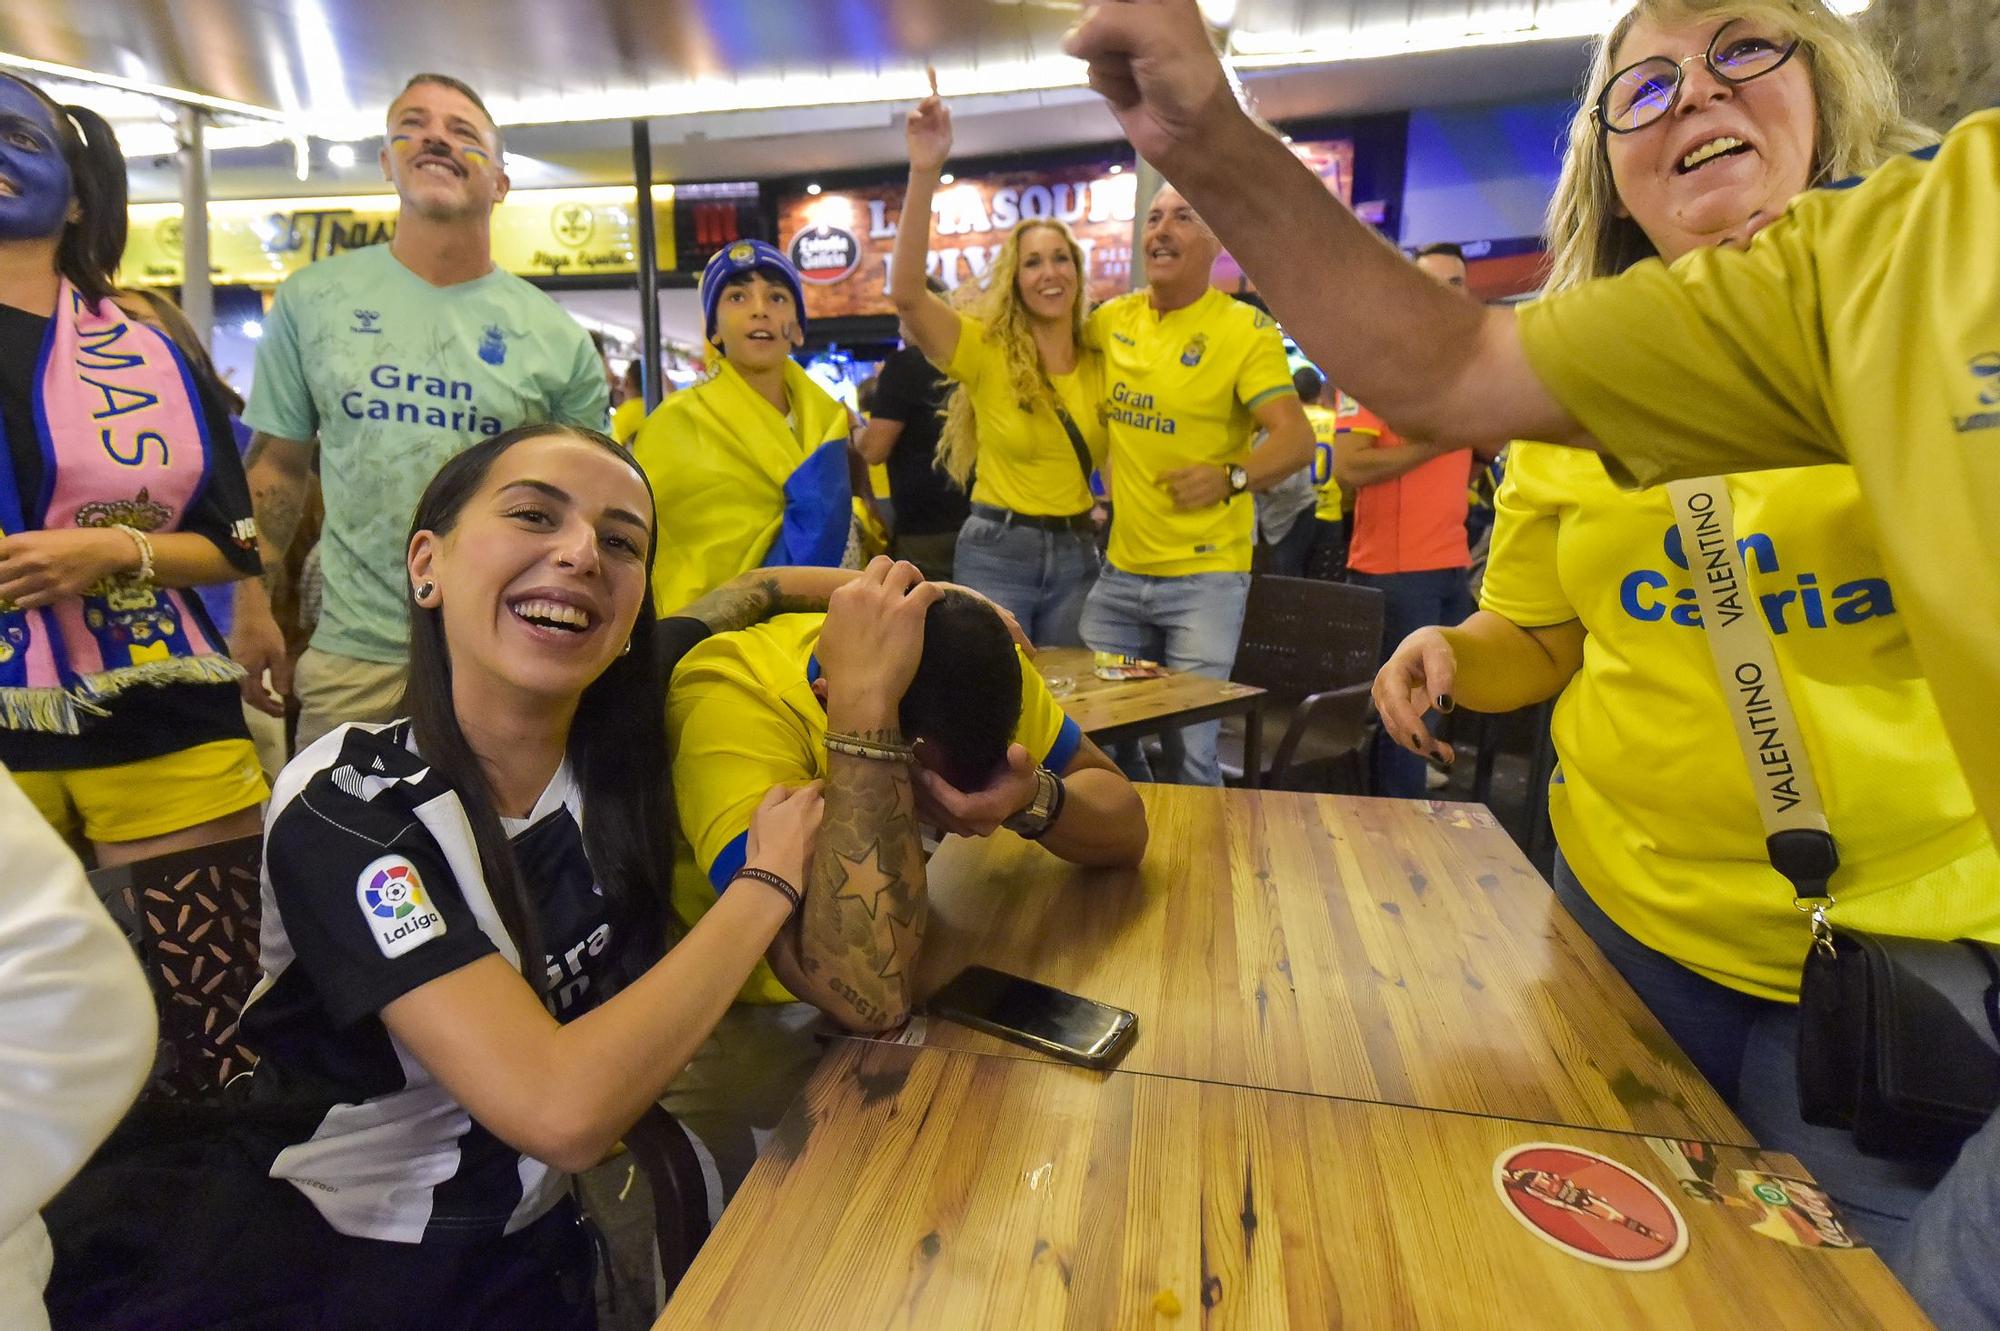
(1179, 390)
(742, 717)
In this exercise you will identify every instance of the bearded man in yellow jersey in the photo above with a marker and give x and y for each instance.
(1189, 376)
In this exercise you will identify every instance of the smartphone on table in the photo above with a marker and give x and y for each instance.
(1029, 1013)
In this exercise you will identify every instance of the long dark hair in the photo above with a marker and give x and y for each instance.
(92, 246)
(617, 743)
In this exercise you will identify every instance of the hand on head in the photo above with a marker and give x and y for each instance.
(874, 632)
(977, 812)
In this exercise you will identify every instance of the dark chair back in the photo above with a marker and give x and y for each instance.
(192, 916)
(1313, 647)
(661, 1149)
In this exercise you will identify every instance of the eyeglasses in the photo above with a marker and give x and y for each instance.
(1639, 94)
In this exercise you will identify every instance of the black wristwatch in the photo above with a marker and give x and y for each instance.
(1239, 479)
(1034, 821)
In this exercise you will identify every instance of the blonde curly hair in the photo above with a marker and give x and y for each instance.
(999, 308)
(1861, 125)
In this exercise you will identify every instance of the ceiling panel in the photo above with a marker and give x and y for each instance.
(733, 88)
(333, 64)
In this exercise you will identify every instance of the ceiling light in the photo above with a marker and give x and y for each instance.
(812, 189)
(253, 329)
(340, 156)
(1117, 168)
(163, 92)
(946, 178)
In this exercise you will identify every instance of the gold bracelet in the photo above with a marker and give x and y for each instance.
(859, 746)
(145, 572)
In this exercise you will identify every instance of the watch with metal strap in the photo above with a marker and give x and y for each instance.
(1239, 479)
(1042, 811)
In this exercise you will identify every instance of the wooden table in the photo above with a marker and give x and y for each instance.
(1112, 710)
(1392, 950)
(924, 1189)
(1348, 1009)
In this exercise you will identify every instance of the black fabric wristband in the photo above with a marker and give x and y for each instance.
(773, 880)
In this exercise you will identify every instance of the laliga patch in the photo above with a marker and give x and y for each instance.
(1589, 1206)
(398, 910)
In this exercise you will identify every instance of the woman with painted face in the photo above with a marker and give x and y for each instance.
(1706, 120)
(464, 996)
(1026, 406)
(120, 487)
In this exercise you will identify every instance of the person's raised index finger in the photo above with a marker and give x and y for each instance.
(930, 72)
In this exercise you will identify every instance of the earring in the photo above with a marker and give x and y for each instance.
(626, 650)
(424, 590)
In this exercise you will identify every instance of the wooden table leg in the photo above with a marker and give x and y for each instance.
(1253, 746)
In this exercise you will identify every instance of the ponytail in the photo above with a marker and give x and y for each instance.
(93, 246)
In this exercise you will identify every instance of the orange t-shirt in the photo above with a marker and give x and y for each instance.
(1415, 522)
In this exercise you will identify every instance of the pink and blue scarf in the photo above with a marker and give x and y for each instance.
(124, 441)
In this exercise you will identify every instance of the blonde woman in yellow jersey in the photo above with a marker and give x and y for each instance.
(1588, 598)
(1026, 383)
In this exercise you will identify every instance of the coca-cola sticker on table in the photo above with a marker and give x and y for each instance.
(1590, 1206)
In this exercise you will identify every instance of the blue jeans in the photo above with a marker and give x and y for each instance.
(1288, 554)
(1189, 623)
(1747, 1048)
(1041, 577)
(1951, 1262)
(1410, 601)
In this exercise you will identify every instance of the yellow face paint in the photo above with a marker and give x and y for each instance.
(477, 155)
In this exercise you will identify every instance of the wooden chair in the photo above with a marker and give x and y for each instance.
(193, 918)
(1313, 648)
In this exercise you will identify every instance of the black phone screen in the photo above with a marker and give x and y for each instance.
(1036, 1010)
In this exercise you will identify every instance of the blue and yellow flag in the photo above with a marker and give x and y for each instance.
(738, 487)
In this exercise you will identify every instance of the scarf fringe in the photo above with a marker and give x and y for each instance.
(56, 711)
(49, 711)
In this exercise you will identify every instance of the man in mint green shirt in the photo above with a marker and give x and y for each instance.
(388, 360)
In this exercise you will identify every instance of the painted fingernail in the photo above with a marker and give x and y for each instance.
(1444, 703)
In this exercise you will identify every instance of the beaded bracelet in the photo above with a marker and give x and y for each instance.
(773, 880)
(859, 746)
(139, 538)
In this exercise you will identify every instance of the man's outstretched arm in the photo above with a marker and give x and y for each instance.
(1431, 362)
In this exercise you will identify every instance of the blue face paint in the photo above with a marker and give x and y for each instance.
(31, 162)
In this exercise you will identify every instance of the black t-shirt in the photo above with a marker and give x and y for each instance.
(148, 721)
(911, 390)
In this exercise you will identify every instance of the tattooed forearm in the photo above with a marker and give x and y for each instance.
(867, 1010)
(278, 508)
(864, 914)
(278, 473)
(751, 598)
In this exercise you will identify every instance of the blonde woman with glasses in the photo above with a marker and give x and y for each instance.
(1704, 122)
